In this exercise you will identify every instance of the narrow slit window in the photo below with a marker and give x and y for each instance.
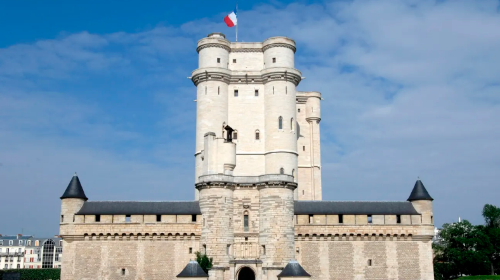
(286, 90)
(218, 90)
(158, 218)
(205, 90)
(304, 148)
(123, 271)
(298, 110)
(256, 92)
(273, 90)
(264, 250)
(62, 218)
(257, 135)
(291, 124)
(341, 219)
(311, 219)
(398, 219)
(369, 262)
(245, 222)
(218, 59)
(369, 218)
(190, 250)
(235, 93)
(235, 135)
(280, 122)
(274, 59)
(97, 218)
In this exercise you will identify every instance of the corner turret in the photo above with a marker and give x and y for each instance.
(72, 200)
(422, 202)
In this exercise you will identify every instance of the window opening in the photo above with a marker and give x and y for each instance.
(273, 90)
(193, 218)
(123, 269)
(370, 219)
(235, 135)
(369, 262)
(286, 90)
(282, 171)
(303, 192)
(245, 222)
(341, 219)
(274, 59)
(246, 238)
(190, 250)
(257, 135)
(127, 218)
(298, 110)
(234, 60)
(97, 218)
(218, 59)
(158, 218)
(205, 90)
(264, 250)
(280, 122)
(48, 254)
(256, 92)
(398, 219)
(291, 124)
(227, 249)
(235, 93)
(304, 148)
(218, 90)
(62, 218)
(311, 219)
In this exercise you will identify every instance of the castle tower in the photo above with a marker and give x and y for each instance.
(72, 200)
(422, 201)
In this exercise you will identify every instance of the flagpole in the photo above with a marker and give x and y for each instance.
(236, 22)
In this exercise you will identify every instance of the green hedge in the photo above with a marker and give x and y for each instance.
(481, 277)
(36, 274)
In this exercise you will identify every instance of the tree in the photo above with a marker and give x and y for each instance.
(491, 229)
(204, 261)
(491, 216)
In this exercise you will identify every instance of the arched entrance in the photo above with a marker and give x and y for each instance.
(246, 273)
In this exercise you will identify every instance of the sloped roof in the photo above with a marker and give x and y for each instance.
(354, 207)
(192, 269)
(419, 192)
(74, 189)
(140, 208)
(294, 269)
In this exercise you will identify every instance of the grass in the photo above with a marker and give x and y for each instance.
(480, 277)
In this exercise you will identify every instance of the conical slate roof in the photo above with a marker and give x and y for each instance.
(192, 269)
(293, 269)
(74, 189)
(419, 192)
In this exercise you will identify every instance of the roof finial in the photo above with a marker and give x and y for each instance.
(75, 174)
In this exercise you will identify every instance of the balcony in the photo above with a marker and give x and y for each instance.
(12, 254)
(246, 250)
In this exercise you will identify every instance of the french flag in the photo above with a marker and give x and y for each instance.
(231, 19)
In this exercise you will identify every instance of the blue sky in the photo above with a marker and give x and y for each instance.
(411, 88)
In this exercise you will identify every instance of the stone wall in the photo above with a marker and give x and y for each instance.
(366, 259)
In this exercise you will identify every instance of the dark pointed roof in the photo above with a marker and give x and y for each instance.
(192, 269)
(419, 192)
(74, 189)
(293, 269)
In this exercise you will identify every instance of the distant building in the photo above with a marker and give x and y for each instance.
(26, 251)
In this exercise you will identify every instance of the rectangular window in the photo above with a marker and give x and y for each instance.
(369, 262)
(257, 135)
(21, 242)
(158, 218)
(1, 242)
(369, 219)
(235, 93)
(235, 135)
(245, 222)
(123, 271)
(193, 218)
(341, 219)
(274, 59)
(398, 219)
(311, 219)
(18, 266)
(190, 250)
(62, 218)
(97, 218)
(256, 92)
(127, 218)
(304, 148)
(11, 242)
(218, 59)
(234, 60)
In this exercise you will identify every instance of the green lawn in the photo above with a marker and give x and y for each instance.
(482, 277)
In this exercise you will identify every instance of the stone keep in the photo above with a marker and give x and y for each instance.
(258, 209)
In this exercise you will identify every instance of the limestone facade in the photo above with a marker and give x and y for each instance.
(258, 193)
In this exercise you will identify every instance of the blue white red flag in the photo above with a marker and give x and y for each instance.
(231, 19)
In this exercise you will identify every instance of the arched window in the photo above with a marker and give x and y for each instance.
(282, 171)
(291, 124)
(48, 254)
(280, 122)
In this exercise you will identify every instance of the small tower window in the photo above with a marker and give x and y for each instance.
(369, 219)
(218, 90)
(257, 135)
(280, 122)
(62, 218)
(273, 90)
(274, 59)
(205, 90)
(97, 218)
(235, 135)
(298, 110)
(218, 59)
(398, 219)
(235, 93)
(123, 271)
(158, 218)
(193, 218)
(190, 250)
(127, 218)
(282, 171)
(369, 262)
(286, 90)
(263, 250)
(234, 60)
(245, 221)
(256, 92)
(341, 219)
(311, 219)
(304, 148)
